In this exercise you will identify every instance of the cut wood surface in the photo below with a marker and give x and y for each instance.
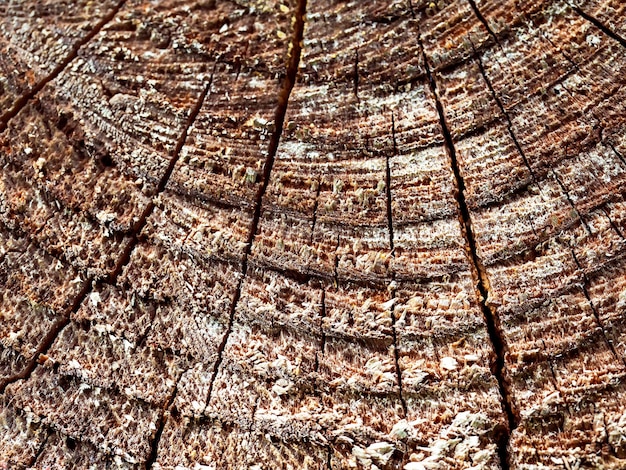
(323, 234)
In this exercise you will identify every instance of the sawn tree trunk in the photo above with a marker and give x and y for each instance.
(323, 234)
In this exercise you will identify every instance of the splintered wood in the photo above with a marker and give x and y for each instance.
(411, 259)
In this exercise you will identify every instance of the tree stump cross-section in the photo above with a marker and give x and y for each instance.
(313, 234)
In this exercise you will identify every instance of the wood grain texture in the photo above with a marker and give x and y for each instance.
(322, 234)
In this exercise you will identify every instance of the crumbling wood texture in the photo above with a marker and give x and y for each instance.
(323, 234)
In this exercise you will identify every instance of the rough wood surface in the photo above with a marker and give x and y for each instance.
(323, 234)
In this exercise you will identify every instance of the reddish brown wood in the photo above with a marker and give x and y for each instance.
(323, 234)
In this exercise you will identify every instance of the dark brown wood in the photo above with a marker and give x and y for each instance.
(322, 234)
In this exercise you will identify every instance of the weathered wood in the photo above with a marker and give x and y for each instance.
(325, 234)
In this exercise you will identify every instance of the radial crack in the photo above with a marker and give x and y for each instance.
(329, 458)
(593, 308)
(31, 239)
(322, 332)
(491, 319)
(40, 450)
(154, 446)
(571, 202)
(550, 365)
(315, 208)
(391, 287)
(49, 338)
(483, 20)
(618, 154)
(355, 77)
(124, 258)
(614, 226)
(388, 185)
(24, 99)
(598, 24)
(509, 124)
(517, 144)
(279, 120)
